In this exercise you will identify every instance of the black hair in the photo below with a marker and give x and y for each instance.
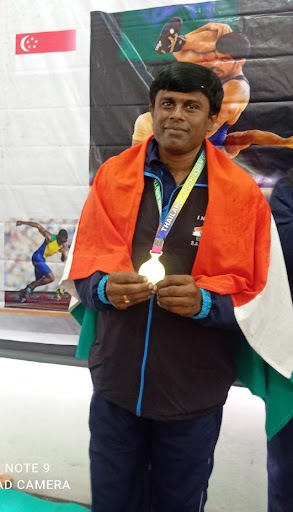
(235, 44)
(187, 77)
(63, 233)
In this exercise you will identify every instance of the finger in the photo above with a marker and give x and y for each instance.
(140, 300)
(138, 297)
(187, 308)
(127, 289)
(132, 289)
(177, 309)
(175, 301)
(126, 277)
(134, 296)
(126, 301)
(175, 280)
(188, 290)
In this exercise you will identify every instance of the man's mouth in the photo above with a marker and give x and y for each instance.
(174, 128)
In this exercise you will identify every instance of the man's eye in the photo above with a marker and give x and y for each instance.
(192, 107)
(166, 103)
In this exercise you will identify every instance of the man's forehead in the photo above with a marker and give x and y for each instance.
(223, 56)
(192, 95)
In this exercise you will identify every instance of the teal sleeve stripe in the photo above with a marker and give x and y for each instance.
(102, 290)
(206, 305)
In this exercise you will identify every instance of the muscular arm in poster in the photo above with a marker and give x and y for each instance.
(236, 98)
(200, 44)
(40, 228)
(143, 128)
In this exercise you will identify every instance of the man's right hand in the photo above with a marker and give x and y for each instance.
(19, 223)
(124, 289)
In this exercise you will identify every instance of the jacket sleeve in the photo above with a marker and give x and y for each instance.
(91, 291)
(217, 311)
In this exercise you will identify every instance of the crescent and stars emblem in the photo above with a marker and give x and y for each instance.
(28, 43)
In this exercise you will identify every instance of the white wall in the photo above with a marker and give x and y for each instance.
(44, 420)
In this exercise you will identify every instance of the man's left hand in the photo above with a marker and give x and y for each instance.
(179, 294)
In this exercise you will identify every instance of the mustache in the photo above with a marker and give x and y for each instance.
(174, 127)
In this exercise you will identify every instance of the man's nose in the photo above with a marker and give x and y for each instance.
(177, 112)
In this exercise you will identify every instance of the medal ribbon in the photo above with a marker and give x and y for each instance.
(165, 226)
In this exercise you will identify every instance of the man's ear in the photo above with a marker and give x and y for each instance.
(151, 109)
(211, 121)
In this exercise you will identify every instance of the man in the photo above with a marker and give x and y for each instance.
(214, 46)
(164, 356)
(280, 448)
(51, 245)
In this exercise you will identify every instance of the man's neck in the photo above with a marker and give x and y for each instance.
(179, 165)
(236, 71)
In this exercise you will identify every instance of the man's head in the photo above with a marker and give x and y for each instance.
(187, 77)
(185, 100)
(232, 51)
(62, 237)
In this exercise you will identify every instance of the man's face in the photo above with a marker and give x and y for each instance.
(224, 65)
(61, 239)
(181, 120)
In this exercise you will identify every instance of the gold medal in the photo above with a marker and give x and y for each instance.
(153, 268)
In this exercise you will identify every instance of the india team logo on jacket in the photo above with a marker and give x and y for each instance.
(197, 232)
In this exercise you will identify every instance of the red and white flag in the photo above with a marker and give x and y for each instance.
(45, 42)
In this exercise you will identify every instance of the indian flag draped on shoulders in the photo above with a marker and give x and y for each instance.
(239, 254)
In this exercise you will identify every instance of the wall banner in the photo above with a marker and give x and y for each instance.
(76, 85)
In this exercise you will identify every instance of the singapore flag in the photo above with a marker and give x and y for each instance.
(44, 42)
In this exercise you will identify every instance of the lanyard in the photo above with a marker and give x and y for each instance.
(165, 227)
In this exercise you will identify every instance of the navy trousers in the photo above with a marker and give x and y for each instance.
(280, 470)
(124, 447)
